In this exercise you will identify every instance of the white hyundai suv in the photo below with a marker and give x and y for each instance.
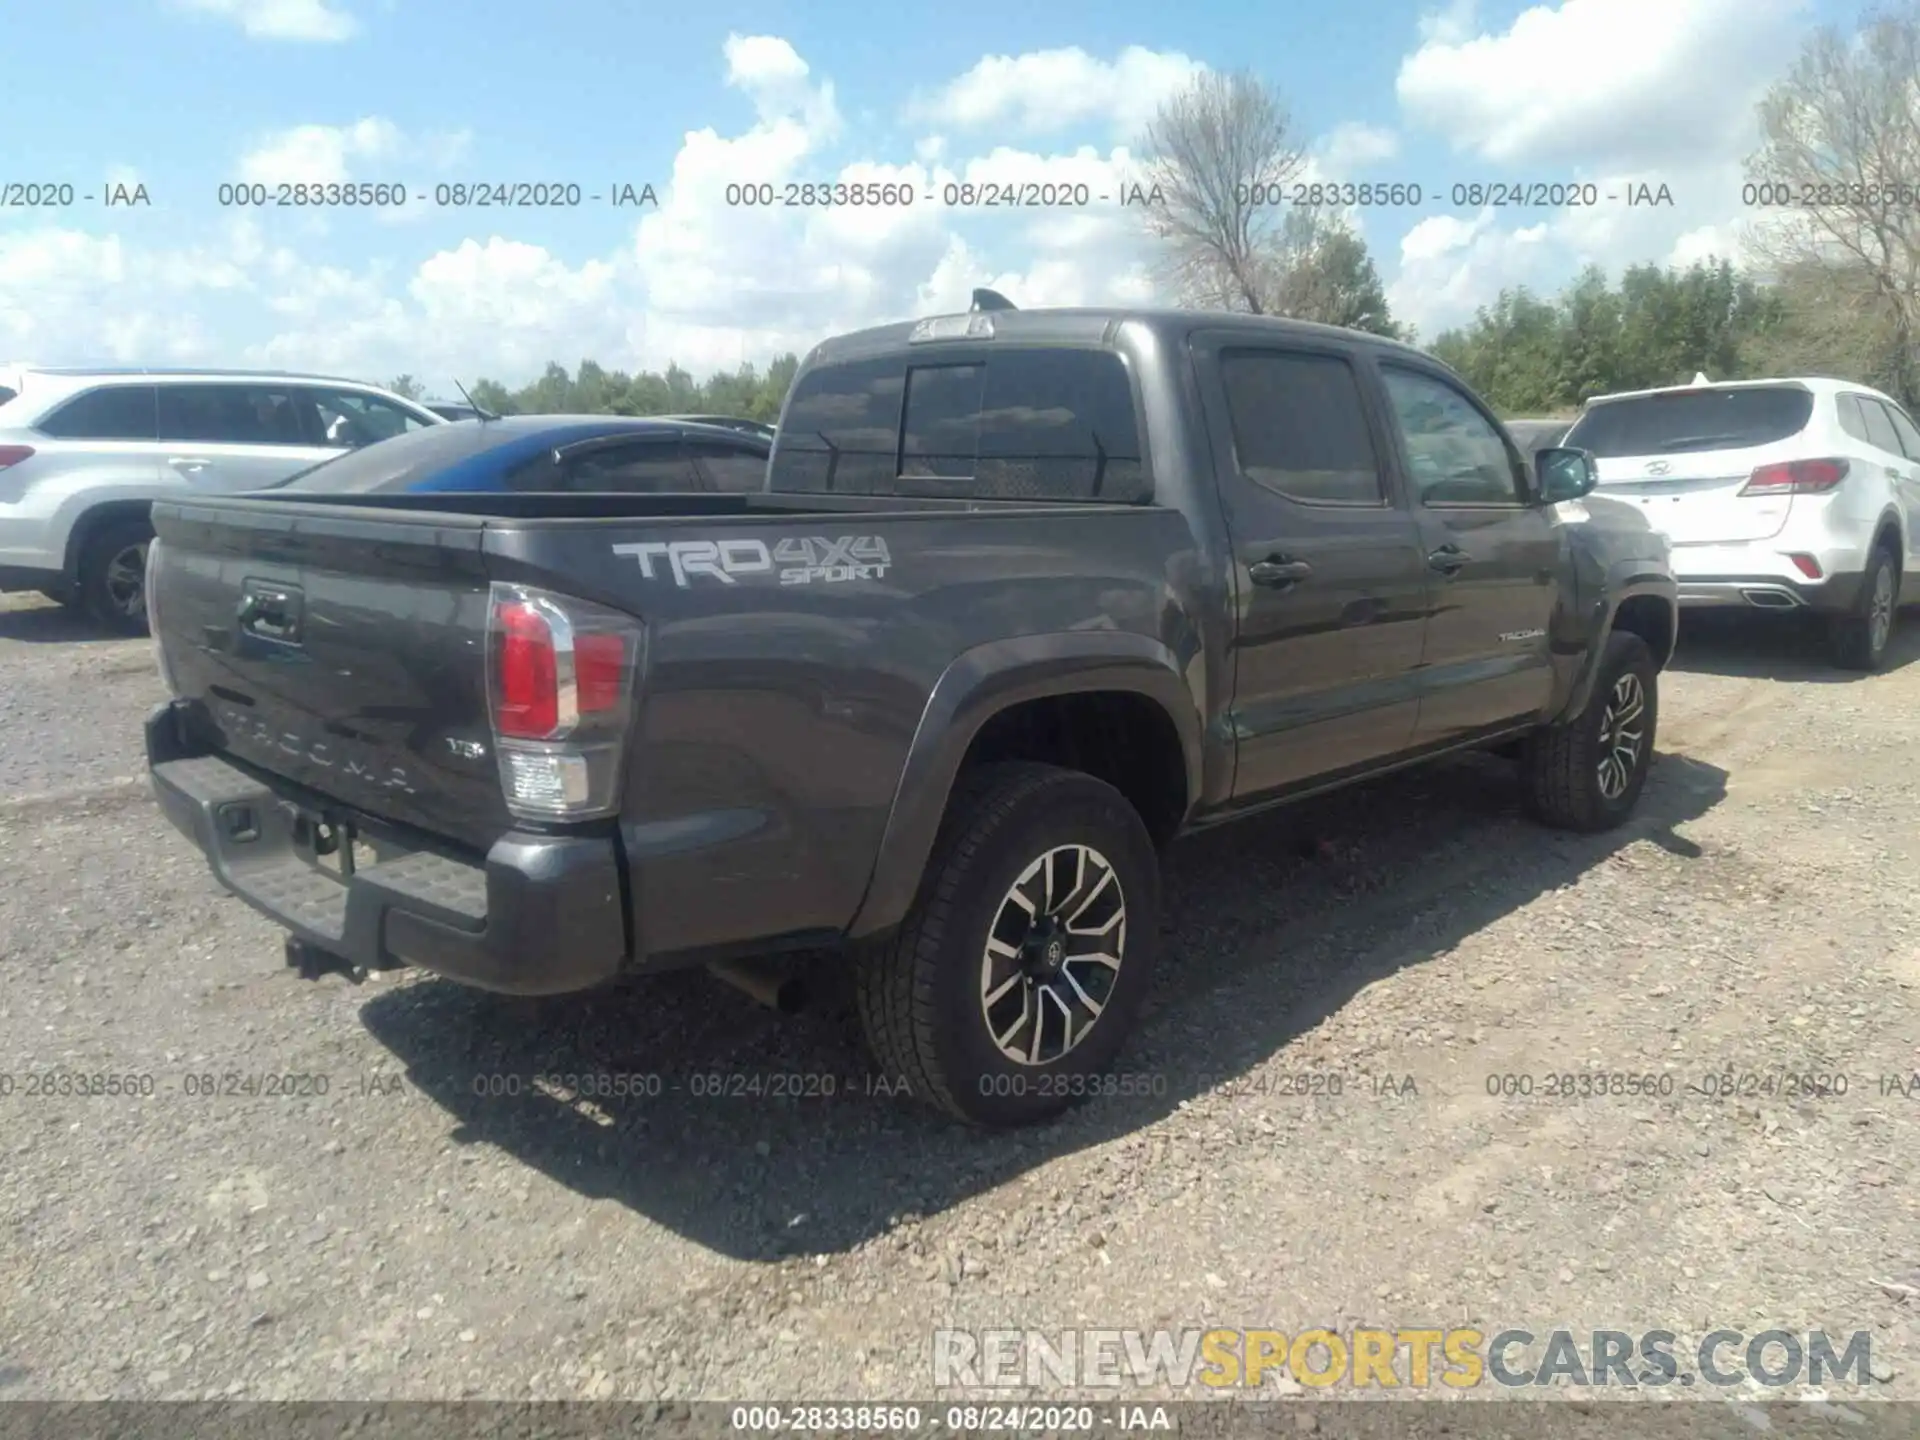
(84, 453)
(1786, 495)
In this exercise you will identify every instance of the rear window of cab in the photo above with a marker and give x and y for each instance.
(1010, 424)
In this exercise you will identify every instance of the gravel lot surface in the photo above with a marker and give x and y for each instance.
(407, 1236)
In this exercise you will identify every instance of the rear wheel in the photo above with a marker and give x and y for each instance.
(113, 576)
(1858, 639)
(1587, 774)
(1011, 985)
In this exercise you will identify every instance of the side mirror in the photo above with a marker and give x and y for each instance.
(1564, 473)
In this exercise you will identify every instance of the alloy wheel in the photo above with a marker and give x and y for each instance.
(1053, 955)
(126, 581)
(1880, 611)
(1622, 735)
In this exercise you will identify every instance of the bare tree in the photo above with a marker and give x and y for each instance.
(1220, 154)
(1842, 152)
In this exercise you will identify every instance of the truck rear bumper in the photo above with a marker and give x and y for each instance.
(541, 915)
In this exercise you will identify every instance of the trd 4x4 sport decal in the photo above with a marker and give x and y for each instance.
(802, 560)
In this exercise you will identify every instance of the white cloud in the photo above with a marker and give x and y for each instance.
(1348, 148)
(1615, 93)
(1045, 91)
(331, 154)
(1598, 83)
(310, 20)
(1449, 25)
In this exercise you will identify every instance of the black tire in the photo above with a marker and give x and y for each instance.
(1565, 785)
(104, 591)
(1858, 639)
(921, 992)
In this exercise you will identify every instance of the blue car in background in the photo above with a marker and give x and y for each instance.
(578, 453)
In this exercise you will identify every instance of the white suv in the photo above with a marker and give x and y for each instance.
(1788, 495)
(84, 453)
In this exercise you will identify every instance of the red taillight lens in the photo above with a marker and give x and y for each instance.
(599, 668)
(1796, 477)
(527, 705)
(14, 454)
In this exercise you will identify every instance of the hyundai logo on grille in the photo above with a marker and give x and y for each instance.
(1658, 467)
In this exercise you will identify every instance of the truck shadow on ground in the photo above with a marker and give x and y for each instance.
(50, 624)
(765, 1136)
(1747, 646)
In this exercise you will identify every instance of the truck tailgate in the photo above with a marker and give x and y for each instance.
(347, 655)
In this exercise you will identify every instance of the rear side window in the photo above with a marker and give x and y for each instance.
(1299, 428)
(7, 394)
(238, 415)
(118, 412)
(1016, 424)
(1682, 420)
(1851, 420)
(1879, 426)
(733, 469)
(1906, 430)
(645, 467)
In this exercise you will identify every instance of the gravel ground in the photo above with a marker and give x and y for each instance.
(406, 1236)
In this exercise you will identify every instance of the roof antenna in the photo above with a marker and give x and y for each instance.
(483, 414)
(991, 300)
(1700, 378)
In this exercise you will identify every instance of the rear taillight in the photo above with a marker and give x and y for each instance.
(1796, 477)
(11, 455)
(560, 678)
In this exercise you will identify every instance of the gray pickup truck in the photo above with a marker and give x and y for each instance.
(1027, 595)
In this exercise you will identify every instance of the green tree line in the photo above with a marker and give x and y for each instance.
(748, 393)
(1661, 326)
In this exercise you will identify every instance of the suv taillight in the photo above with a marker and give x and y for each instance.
(560, 678)
(1796, 477)
(11, 455)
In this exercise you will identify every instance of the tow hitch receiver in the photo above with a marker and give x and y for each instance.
(310, 962)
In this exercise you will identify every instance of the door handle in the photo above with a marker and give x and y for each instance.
(1449, 560)
(1279, 572)
(191, 464)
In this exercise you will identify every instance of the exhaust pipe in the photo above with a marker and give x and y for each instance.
(1770, 599)
(769, 984)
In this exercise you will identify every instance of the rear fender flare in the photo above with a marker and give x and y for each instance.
(978, 685)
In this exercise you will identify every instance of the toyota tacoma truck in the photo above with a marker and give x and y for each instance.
(1026, 595)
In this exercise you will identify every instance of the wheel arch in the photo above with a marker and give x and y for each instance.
(1643, 605)
(1890, 531)
(89, 522)
(1113, 704)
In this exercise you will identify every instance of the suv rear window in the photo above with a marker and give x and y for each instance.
(1683, 420)
(114, 412)
(1013, 424)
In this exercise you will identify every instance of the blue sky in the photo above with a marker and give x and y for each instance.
(184, 95)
